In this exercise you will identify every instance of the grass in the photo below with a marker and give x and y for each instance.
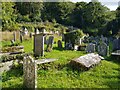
(60, 74)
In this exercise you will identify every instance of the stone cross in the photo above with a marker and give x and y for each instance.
(29, 72)
(90, 48)
(103, 49)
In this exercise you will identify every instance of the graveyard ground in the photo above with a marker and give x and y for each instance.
(60, 74)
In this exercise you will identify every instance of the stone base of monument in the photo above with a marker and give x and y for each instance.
(86, 62)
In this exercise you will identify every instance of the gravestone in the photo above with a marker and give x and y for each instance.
(59, 44)
(90, 48)
(63, 37)
(14, 36)
(50, 43)
(29, 72)
(21, 37)
(76, 47)
(38, 45)
(85, 62)
(103, 49)
(25, 31)
(12, 42)
(116, 44)
(30, 35)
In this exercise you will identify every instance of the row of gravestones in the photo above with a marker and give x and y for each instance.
(102, 48)
(21, 35)
(108, 40)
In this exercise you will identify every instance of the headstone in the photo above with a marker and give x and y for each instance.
(59, 44)
(26, 31)
(12, 42)
(63, 37)
(50, 43)
(29, 72)
(90, 48)
(116, 44)
(103, 49)
(30, 35)
(14, 35)
(38, 45)
(75, 47)
(21, 37)
(86, 61)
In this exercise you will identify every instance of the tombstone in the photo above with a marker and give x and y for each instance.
(30, 35)
(25, 31)
(29, 72)
(63, 37)
(116, 44)
(36, 31)
(90, 48)
(75, 47)
(21, 37)
(12, 42)
(50, 43)
(59, 44)
(38, 45)
(14, 36)
(86, 62)
(68, 46)
(103, 49)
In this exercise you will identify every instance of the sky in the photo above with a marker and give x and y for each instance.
(111, 4)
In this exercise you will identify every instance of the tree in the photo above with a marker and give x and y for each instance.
(8, 16)
(30, 9)
(57, 10)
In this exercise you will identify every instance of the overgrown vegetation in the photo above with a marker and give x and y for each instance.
(93, 17)
(60, 74)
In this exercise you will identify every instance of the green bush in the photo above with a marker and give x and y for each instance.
(73, 35)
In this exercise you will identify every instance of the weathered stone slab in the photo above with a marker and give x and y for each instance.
(45, 61)
(86, 61)
(30, 72)
(5, 66)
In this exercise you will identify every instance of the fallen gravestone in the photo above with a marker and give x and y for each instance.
(87, 61)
